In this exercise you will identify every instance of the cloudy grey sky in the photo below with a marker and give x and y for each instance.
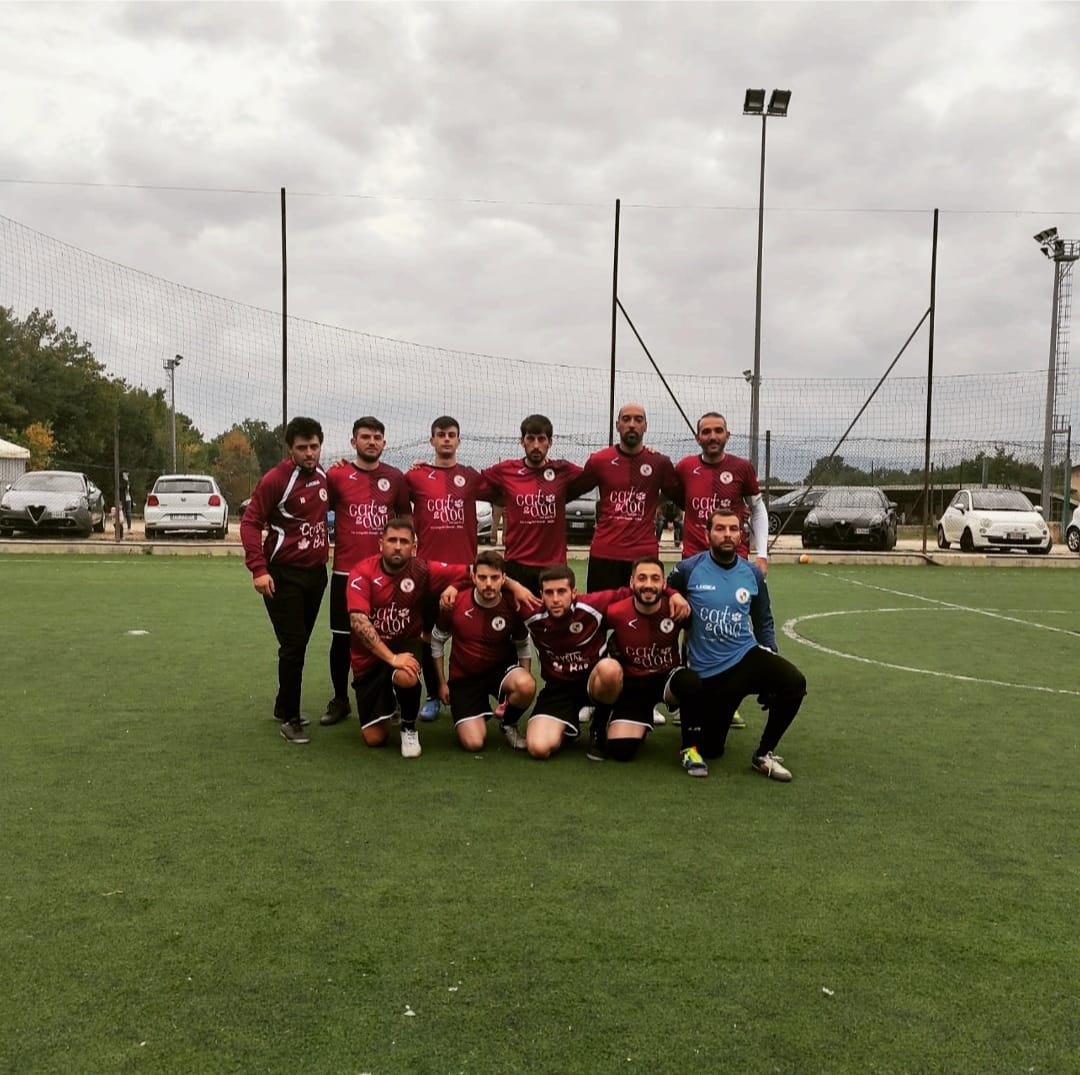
(452, 169)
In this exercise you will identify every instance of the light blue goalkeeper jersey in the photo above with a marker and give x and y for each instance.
(730, 611)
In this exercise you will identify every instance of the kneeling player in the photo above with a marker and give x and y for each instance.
(489, 657)
(645, 645)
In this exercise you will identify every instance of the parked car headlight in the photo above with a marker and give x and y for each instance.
(74, 505)
(812, 519)
(984, 523)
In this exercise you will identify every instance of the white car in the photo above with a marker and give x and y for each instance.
(186, 503)
(1072, 532)
(993, 519)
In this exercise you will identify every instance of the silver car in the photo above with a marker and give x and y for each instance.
(52, 500)
(186, 503)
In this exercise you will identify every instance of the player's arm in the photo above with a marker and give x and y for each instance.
(525, 600)
(521, 645)
(761, 614)
(440, 635)
(759, 531)
(583, 482)
(677, 578)
(252, 524)
(364, 629)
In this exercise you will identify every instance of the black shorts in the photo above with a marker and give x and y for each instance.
(527, 574)
(339, 608)
(607, 574)
(471, 697)
(562, 701)
(640, 695)
(375, 698)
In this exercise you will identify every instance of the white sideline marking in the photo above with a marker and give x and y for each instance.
(790, 630)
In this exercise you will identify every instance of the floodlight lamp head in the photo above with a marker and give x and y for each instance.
(754, 103)
(778, 102)
(748, 376)
(178, 359)
(1046, 236)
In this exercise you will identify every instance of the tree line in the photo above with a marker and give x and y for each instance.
(57, 401)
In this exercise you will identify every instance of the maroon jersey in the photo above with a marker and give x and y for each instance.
(291, 504)
(709, 486)
(484, 638)
(534, 503)
(643, 643)
(630, 487)
(569, 646)
(363, 501)
(444, 510)
(394, 603)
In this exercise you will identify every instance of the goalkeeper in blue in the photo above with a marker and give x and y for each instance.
(731, 644)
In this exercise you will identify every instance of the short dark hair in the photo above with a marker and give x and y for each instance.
(490, 558)
(444, 421)
(537, 423)
(716, 514)
(709, 414)
(646, 560)
(399, 522)
(367, 422)
(302, 427)
(557, 572)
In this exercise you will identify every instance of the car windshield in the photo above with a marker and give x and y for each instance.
(846, 499)
(51, 483)
(1000, 500)
(182, 485)
(796, 496)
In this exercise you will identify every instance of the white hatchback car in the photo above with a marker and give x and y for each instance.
(1072, 532)
(186, 503)
(993, 519)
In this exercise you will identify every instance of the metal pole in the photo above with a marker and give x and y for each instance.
(284, 322)
(172, 410)
(755, 385)
(118, 518)
(614, 318)
(1051, 377)
(929, 382)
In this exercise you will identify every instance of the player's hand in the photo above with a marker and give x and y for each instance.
(264, 585)
(405, 662)
(449, 597)
(763, 563)
(680, 607)
(444, 693)
(526, 601)
(416, 464)
(342, 462)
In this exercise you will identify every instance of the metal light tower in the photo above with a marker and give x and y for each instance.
(754, 105)
(169, 365)
(1063, 253)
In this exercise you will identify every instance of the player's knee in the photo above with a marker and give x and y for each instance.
(605, 683)
(376, 735)
(404, 679)
(623, 749)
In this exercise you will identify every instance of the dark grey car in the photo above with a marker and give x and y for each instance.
(51, 501)
(851, 515)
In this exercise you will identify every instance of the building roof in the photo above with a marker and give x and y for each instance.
(13, 451)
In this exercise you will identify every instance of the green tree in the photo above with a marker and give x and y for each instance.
(236, 468)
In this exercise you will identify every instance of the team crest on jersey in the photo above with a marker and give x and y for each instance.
(383, 484)
(549, 475)
(742, 595)
(576, 628)
(459, 480)
(499, 623)
(726, 477)
(407, 585)
(646, 469)
(667, 625)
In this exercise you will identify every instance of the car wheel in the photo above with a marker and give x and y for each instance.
(1072, 539)
(942, 543)
(84, 534)
(967, 543)
(774, 524)
(151, 533)
(807, 543)
(99, 527)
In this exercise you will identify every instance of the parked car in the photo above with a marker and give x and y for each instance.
(484, 523)
(186, 503)
(581, 517)
(993, 519)
(52, 500)
(787, 512)
(851, 515)
(1072, 532)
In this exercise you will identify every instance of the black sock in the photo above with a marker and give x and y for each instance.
(512, 714)
(339, 666)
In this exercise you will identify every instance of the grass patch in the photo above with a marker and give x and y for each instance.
(183, 891)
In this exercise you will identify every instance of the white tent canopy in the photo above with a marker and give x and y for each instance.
(13, 461)
(13, 451)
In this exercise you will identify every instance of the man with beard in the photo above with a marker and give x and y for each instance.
(731, 643)
(631, 478)
(489, 658)
(385, 598)
(288, 567)
(364, 494)
(645, 643)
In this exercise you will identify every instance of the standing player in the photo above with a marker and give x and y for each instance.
(364, 495)
(443, 494)
(288, 568)
(645, 643)
(489, 657)
(631, 478)
(732, 643)
(534, 494)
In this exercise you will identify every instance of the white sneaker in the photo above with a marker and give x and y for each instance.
(410, 743)
(514, 737)
(658, 717)
(769, 765)
(585, 713)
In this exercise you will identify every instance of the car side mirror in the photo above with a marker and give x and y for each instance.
(893, 506)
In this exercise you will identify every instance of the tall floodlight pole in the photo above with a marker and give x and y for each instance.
(754, 105)
(748, 377)
(1063, 253)
(170, 364)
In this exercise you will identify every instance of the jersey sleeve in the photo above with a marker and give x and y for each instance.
(358, 592)
(442, 575)
(602, 600)
(761, 613)
(266, 495)
(679, 577)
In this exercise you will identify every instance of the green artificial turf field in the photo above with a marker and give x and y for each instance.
(182, 891)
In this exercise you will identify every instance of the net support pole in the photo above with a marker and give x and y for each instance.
(614, 324)
(118, 518)
(929, 383)
(284, 321)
